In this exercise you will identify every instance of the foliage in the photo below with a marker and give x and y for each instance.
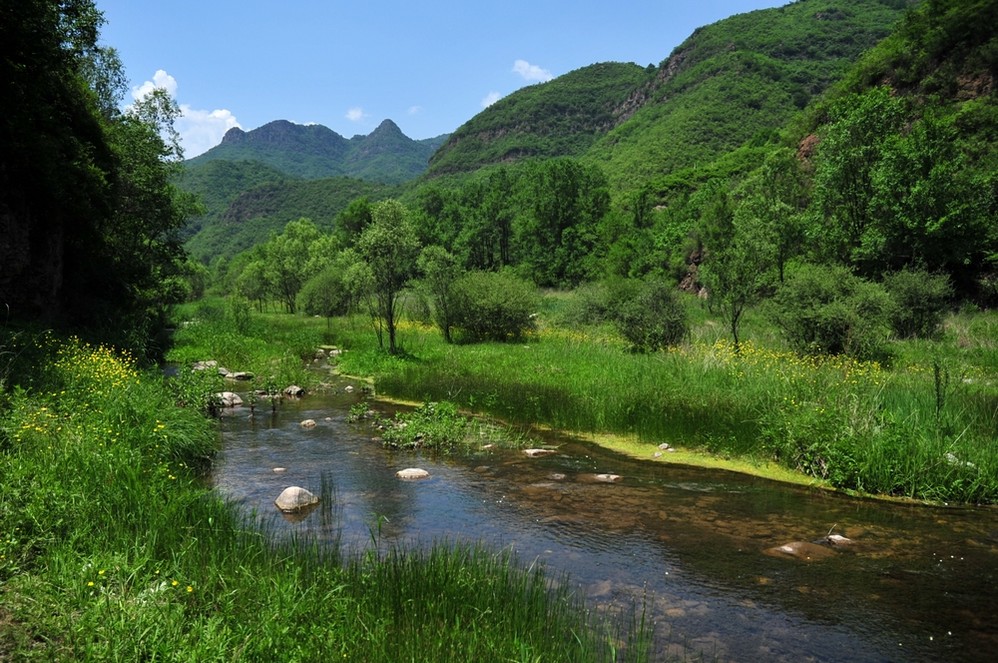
(557, 235)
(90, 234)
(650, 317)
(440, 273)
(828, 310)
(497, 306)
(331, 291)
(389, 247)
(429, 426)
(920, 301)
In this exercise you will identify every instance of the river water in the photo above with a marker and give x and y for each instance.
(699, 548)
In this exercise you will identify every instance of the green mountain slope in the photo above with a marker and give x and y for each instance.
(563, 117)
(254, 215)
(313, 151)
(739, 79)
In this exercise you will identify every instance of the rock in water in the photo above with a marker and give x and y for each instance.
(229, 399)
(412, 473)
(308, 423)
(295, 498)
(537, 453)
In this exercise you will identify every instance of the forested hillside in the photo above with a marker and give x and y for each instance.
(562, 117)
(253, 215)
(739, 79)
(765, 143)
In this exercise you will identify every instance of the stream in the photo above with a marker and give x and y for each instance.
(700, 548)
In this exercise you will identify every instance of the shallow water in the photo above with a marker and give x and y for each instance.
(918, 583)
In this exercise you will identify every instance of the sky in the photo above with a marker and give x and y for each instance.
(429, 66)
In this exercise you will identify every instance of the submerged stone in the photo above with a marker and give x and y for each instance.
(308, 423)
(804, 550)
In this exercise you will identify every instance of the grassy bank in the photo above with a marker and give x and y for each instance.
(113, 548)
(925, 426)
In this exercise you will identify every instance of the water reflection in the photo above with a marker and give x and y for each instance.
(918, 584)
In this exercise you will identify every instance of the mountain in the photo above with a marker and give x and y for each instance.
(729, 82)
(562, 117)
(253, 215)
(313, 151)
(710, 108)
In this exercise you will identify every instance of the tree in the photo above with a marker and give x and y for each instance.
(294, 256)
(558, 236)
(440, 271)
(845, 162)
(89, 217)
(738, 257)
(350, 222)
(329, 292)
(829, 310)
(389, 246)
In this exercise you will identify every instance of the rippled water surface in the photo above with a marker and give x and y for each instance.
(699, 546)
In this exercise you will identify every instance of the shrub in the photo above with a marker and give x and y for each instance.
(496, 306)
(649, 315)
(920, 299)
(829, 310)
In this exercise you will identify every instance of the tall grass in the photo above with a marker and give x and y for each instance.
(924, 427)
(113, 548)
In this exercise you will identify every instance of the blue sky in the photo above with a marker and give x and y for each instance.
(428, 66)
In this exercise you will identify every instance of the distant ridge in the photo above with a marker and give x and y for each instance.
(313, 151)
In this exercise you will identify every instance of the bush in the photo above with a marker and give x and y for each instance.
(496, 306)
(920, 299)
(829, 310)
(649, 315)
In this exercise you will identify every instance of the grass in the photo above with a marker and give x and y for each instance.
(923, 427)
(114, 548)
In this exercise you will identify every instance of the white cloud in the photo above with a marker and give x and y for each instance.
(531, 72)
(160, 79)
(200, 130)
(356, 114)
(490, 99)
(413, 110)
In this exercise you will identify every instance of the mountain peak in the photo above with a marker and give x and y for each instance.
(387, 127)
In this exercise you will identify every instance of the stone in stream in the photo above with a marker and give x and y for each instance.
(537, 453)
(412, 473)
(599, 478)
(228, 399)
(308, 423)
(804, 550)
(295, 498)
(294, 391)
